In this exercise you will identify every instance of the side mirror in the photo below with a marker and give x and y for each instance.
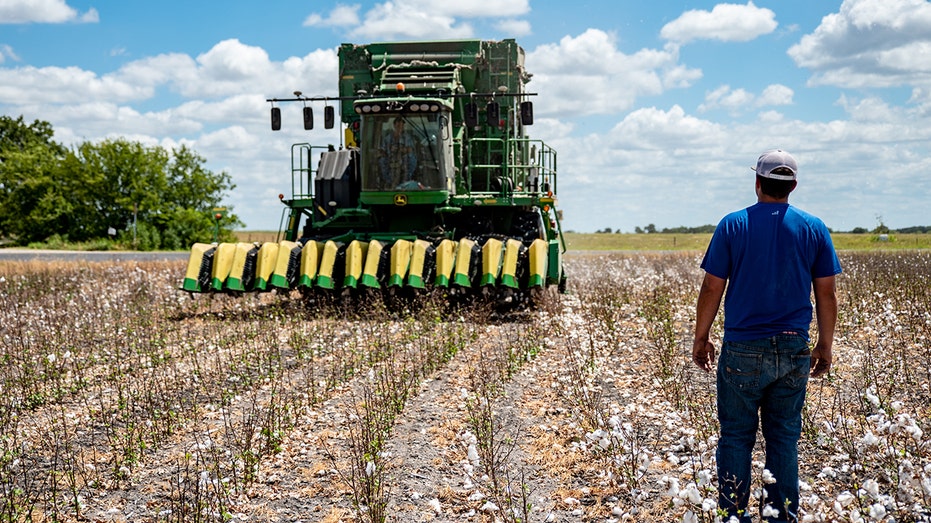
(329, 117)
(308, 118)
(493, 114)
(276, 118)
(471, 115)
(526, 113)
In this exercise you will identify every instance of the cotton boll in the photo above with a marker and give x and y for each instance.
(871, 487)
(768, 477)
(877, 511)
(872, 398)
(473, 454)
(845, 498)
(476, 496)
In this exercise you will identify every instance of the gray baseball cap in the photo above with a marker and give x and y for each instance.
(776, 160)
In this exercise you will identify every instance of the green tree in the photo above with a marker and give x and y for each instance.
(156, 198)
(30, 204)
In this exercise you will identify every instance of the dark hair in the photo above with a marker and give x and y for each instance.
(777, 189)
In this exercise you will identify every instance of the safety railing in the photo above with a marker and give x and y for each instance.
(528, 165)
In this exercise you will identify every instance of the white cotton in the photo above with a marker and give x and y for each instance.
(435, 505)
(869, 439)
(845, 498)
(877, 511)
(871, 487)
(768, 477)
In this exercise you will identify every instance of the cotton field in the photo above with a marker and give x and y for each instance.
(125, 399)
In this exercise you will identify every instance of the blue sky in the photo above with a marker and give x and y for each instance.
(657, 109)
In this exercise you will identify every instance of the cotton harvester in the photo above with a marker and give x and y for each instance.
(435, 184)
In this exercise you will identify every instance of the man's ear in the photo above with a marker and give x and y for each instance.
(794, 185)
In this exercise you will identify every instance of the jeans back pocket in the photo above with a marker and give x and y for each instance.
(741, 370)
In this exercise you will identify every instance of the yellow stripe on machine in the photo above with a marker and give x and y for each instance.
(463, 263)
(400, 262)
(222, 263)
(265, 264)
(445, 262)
(372, 262)
(491, 260)
(418, 260)
(327, 262)
(538, 255)
(355, 260)
(310, 260)
(287, 250)
(512, 251)
(237, 278)
(194, 266)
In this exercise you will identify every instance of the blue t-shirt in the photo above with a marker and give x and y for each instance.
(769, 253)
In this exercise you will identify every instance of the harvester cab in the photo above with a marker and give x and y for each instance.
(435, 184)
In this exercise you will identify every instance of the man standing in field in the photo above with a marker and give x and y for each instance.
(768, 256)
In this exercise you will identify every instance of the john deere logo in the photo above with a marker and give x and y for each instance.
(400, 199)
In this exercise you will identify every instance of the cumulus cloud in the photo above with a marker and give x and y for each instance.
(44, 12)
(514, 28)
(738, 101)
(725, 22)
(423, 19)
(405, 20)
(575, 83)
(870, 43)
(340, 16)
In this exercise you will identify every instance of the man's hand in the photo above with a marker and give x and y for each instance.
(702, 354)
(821, 359)
(709, 299)
(826, 313)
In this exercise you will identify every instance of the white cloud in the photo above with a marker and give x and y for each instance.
(472, 8)
(43, 11)
(424, 19)
(737, 101)
(775, 94)
(725, 22)
(570, 82)
(6, 51)
(405, 20)
(340, 16)
(514, 28)
(870, 43)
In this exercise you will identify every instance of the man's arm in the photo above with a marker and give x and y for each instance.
(826, 314)
(709, 299)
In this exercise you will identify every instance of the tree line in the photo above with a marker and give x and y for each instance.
(116, 190)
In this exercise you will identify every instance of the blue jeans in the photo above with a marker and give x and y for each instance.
(761, 381)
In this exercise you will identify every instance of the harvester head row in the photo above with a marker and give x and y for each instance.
(504, 264)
